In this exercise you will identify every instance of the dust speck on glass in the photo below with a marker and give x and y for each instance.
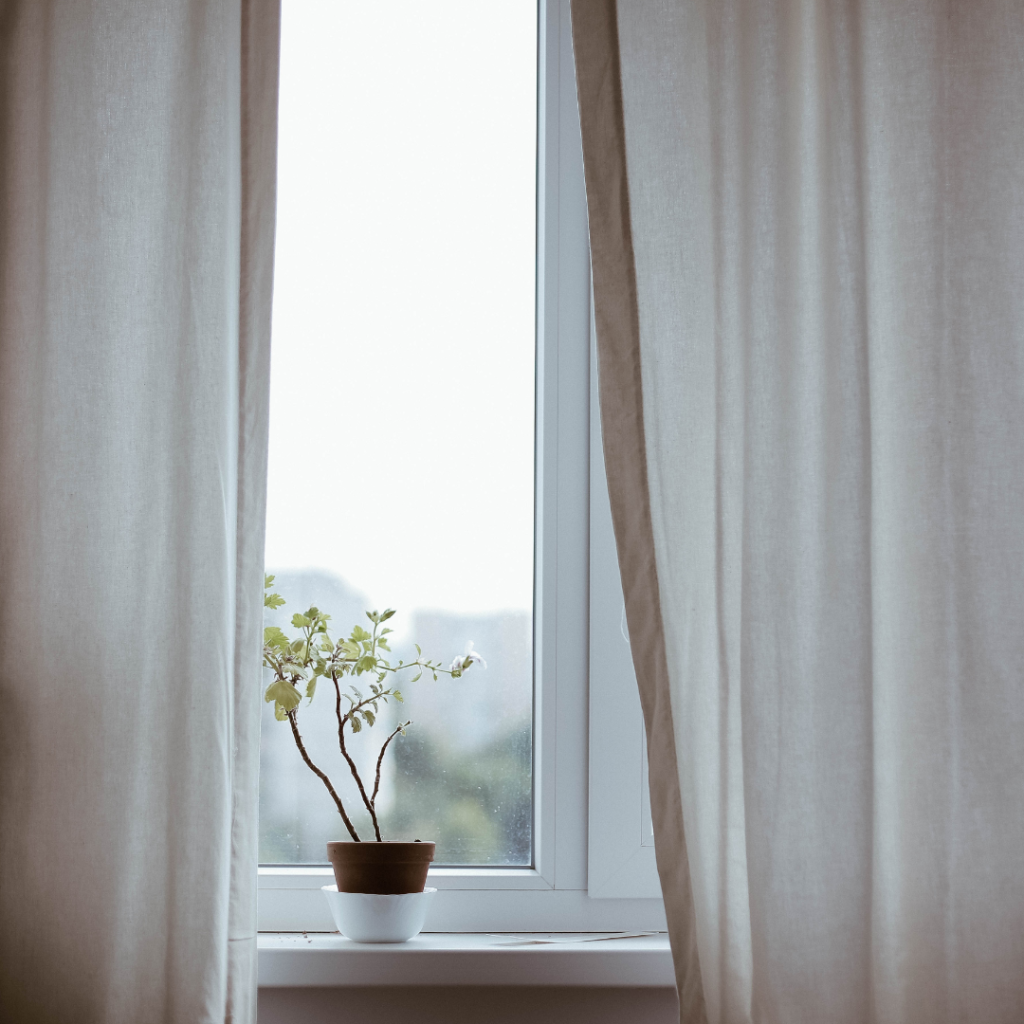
(401, 466)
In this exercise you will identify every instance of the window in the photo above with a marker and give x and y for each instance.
(541, 884)
(402, 408)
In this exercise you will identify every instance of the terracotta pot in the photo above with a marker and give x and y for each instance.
(387, 868)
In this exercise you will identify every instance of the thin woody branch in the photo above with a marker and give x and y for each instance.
(342, 719)
(322, 776)
(380, 758)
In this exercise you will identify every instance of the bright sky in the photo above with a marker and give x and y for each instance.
(402, 395)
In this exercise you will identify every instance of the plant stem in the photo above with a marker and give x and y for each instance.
(380, 758)
(323, 778)
(424, 666)
(342, 719)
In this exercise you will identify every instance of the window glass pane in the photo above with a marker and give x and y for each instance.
(402, 408)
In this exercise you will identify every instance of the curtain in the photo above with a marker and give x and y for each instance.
(136, 234)
(807, 224)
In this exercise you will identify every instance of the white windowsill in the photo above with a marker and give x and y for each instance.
(317, 959)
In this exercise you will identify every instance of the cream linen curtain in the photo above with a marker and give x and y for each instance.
(807, 222)
(136, 224)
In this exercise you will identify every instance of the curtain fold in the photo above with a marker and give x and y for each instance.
(621, 397)
(807, 224)
(136, 242)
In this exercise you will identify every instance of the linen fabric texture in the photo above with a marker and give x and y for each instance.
(137, 212)
(807, 225)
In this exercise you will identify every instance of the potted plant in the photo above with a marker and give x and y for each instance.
(299, 664)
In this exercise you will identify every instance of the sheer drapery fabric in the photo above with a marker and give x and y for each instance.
(807, 223)
(137, 162)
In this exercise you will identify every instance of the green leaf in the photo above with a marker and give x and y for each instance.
(284, 694)
(388, 612)
(366, 663)
(273, 636)
(298, 619)
(268, 580)
(372, 616)
(356, 724)
(279, 713)
(358, 634)
(272, 600)
(383, 644)
(399, 697)
(311, 688)
(416, 678)
(368, 715)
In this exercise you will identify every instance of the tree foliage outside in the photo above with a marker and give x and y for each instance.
(476, 805)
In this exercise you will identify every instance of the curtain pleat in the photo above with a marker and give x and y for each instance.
(136, 241)
(807, 223)
(595, 39)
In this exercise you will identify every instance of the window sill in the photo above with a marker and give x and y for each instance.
(291, 960)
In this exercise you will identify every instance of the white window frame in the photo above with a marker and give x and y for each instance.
(552, 895)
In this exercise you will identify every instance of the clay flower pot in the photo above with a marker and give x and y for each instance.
(388, 868)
